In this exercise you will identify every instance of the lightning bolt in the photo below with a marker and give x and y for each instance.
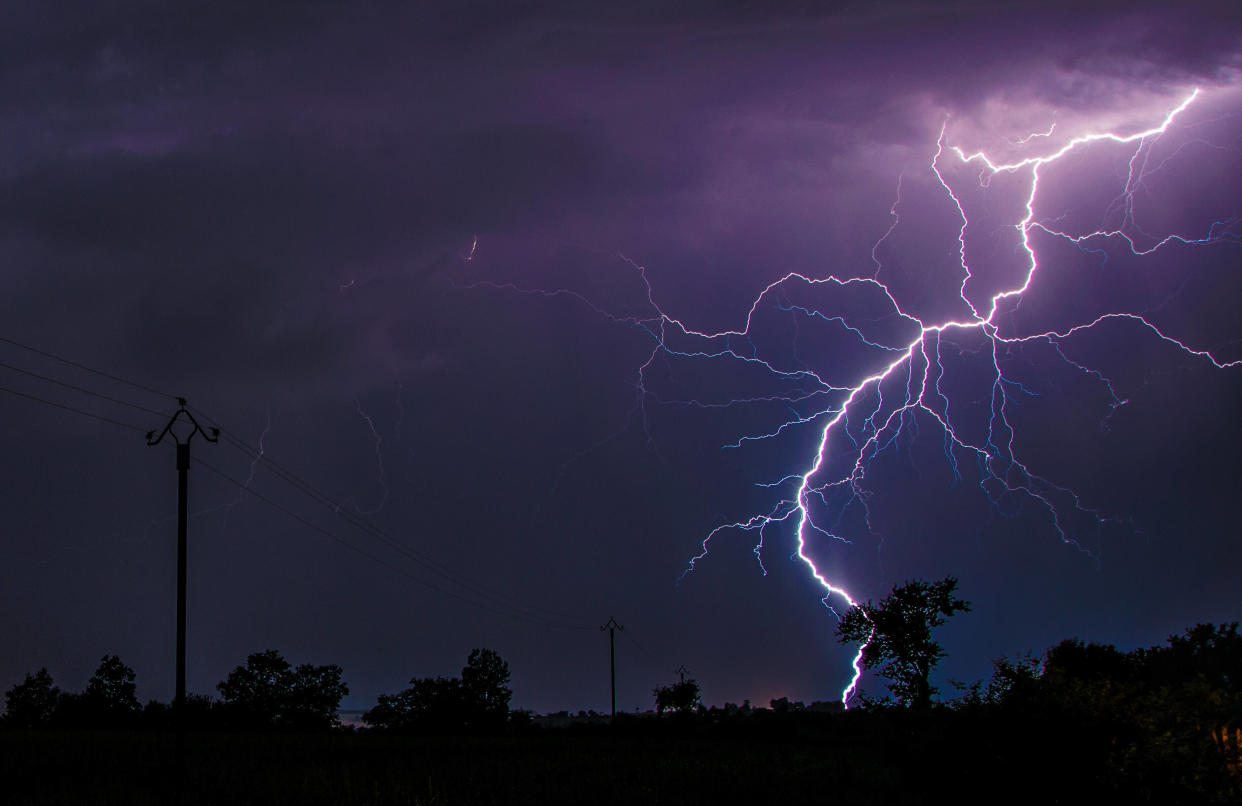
(242, 496)
(860, 419)
(258, 457)
(1021, 141)
(379, 459)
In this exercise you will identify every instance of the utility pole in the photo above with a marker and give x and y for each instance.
(683, 671)
(183, 468)
(612, 626)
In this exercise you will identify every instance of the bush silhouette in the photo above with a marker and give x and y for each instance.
(479, 699)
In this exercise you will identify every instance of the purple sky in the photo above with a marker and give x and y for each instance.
(320, 222)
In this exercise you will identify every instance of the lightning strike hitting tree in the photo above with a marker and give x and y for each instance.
(910, 358)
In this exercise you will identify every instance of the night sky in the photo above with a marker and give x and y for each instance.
(445, 266)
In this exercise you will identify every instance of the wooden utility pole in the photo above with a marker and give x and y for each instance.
(183, 468)
(612, 626)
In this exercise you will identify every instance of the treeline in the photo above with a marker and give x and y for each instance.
(1160, 724)
(268, 693)
(478, 700)
(1082, 722)
(1165, 719)
(265, 692)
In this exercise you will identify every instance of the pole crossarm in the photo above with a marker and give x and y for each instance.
(211, 434)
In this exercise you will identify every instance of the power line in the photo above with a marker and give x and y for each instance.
(526, 612)
(84, 367)
(49, 379)
(409, 552)
(493, 608)
(638, 645)
(72, 409)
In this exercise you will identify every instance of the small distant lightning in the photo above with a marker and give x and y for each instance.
(474, 247)
(859, 420)
(228, 507)
(379, 458)
(258, 457)
(892, 211)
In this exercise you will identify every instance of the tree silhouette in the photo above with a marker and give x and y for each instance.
(267, 691)
(1014, 680)
(477, 699)
(485, 684)
(110, 693)
(898, 635)
(32, 702)
(682, 696)
(1164, 721)
(429, 703)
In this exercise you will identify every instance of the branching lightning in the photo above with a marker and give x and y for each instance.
(856, 421)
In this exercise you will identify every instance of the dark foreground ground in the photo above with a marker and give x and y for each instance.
(835, 759)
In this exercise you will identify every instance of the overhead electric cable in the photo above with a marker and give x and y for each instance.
(382, 536)
(84, 391)
(638, 644)
(86, 368)
(99, 417)
(515, 609)
(483, 605)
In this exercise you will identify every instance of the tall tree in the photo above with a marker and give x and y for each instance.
(258, 691)
(485, 683)
(32, 702)
(111, 692)
(897, 635)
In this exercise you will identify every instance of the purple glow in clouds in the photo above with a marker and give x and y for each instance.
(855, 422)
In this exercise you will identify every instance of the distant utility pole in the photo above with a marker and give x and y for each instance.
(612, 626)
(683, 671)
(183, 466)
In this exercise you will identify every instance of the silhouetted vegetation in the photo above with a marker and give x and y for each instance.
(108, 701)
(31, 703)
(478, 700)
(266, 693)
(1163, 723)
(682, 696)
(1083, 722)
(269, 693)
(897, 634)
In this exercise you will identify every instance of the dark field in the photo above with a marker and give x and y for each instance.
(845, 759)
